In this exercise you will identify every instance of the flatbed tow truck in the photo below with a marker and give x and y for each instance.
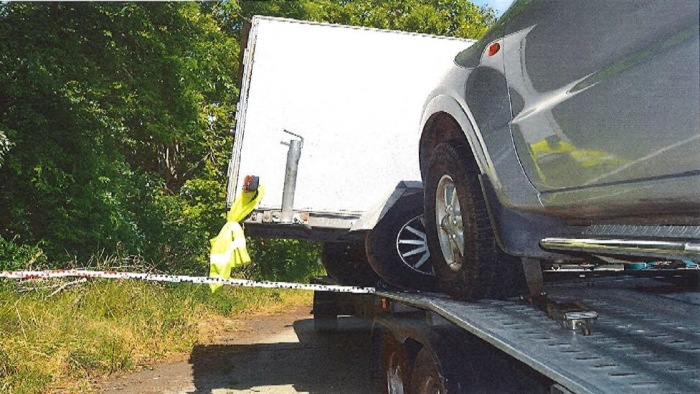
(616, 334)
(354, 96)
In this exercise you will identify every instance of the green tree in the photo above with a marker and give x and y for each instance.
(454, 18)
(113, 109)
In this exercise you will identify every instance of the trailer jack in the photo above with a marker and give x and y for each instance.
(290, 177)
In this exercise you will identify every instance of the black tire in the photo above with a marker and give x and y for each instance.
(426, 377)
(395, 367)
(477, 268)
(397, 247)
(347, 263)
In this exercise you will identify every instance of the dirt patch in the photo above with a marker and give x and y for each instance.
(278, 353)
(247, 328)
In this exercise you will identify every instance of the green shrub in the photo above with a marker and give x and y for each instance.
(287, 260)
(15, 256)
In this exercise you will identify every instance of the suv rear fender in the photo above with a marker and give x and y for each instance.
(445, 119)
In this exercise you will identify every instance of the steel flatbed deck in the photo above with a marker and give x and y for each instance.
(646, 337)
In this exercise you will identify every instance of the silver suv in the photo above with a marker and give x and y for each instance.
(570, 132)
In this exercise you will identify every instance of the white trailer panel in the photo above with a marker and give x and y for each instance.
(354, 94)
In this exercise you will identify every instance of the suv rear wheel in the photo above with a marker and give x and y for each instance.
(468, 262)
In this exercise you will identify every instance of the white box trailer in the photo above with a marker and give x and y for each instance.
(329, 120)
(355, 95)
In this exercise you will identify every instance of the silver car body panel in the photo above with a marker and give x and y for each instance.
(598, 102)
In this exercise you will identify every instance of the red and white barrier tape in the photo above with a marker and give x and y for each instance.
(181, 278)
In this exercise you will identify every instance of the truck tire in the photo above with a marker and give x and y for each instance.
(395, 366)
(397, 247)
(468, 262)
(426, 377)
(347, 263)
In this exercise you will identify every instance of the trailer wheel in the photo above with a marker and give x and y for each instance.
(426, 377)
(397, 247)
(347, 263)
(468, 262)
(395, 367)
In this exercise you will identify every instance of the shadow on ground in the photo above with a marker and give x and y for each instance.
(335, 362)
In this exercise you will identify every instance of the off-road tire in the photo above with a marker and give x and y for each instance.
(485, 270)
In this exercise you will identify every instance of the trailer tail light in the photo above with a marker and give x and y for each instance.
(250, 183)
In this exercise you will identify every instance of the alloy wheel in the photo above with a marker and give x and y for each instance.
(448, 216)
(412, 246)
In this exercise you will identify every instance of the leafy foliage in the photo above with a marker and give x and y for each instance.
(454, 18)
(115, 122)
(16, 256)
(284, 260)
(119, 114)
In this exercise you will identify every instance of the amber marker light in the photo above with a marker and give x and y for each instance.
(493, 49)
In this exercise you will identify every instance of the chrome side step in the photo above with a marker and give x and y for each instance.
(627, 247)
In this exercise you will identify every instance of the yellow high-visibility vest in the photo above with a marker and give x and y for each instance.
(228, 249)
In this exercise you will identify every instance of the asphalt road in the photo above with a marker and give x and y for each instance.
(272, 354)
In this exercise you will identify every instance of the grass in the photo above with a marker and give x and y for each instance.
(67, 341)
